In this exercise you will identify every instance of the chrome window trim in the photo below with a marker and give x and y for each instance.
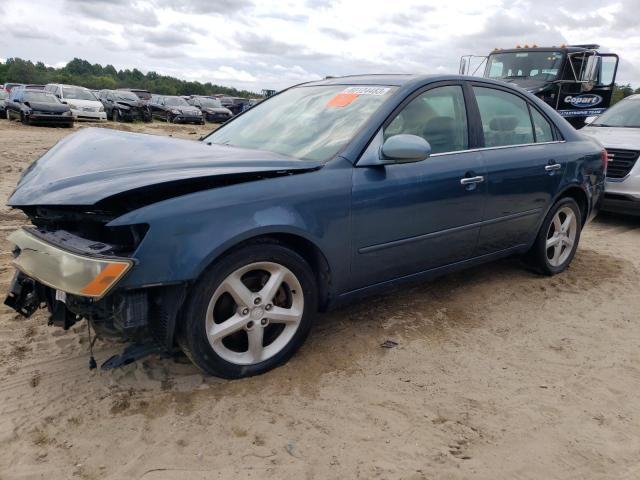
(496, 148)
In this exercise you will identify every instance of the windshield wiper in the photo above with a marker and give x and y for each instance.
(516, 76)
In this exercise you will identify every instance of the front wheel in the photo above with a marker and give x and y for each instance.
(249, 312)
(558, 238)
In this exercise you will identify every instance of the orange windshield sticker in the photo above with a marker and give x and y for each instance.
(342, 99)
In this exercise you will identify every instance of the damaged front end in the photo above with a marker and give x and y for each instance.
(71, 263)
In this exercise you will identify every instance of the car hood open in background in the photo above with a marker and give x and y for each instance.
(96, 163)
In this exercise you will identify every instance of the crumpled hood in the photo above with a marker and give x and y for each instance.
(97, 163)
(130, 103)
(615, 137)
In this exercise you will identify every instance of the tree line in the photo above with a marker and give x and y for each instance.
(621, 91)
(97, 77)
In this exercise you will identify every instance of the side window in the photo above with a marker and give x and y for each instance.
(543, 130)
(505, 118)
(438, 116)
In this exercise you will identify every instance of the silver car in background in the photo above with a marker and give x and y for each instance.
(618, 129)
(83, 103)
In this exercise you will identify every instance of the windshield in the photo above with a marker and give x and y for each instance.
(623, 114)
(126, 96)
(210, 102)
(77, 93)
(41, 97)
(530, 65)
(311, 123)
(175, 101)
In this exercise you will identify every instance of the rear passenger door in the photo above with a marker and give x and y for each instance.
(524, 160)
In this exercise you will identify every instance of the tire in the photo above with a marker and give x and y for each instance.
(258, 342)
(115, 116)
(556, 246)
(24, 119)
(169, 118)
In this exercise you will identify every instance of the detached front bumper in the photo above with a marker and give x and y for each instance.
(67, 269)
(77, 278)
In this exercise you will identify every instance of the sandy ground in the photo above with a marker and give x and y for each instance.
(499, 374)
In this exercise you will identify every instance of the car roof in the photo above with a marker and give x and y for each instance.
(398, 80)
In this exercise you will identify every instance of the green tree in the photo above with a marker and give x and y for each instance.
(620, 92)
(81, 72)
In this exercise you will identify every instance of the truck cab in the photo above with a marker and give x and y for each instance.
(576, 80)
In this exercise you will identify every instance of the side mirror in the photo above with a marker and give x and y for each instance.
(590, 120)
(405, 148)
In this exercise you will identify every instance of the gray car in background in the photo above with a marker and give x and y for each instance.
(618, 129)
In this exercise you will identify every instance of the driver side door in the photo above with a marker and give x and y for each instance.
(412, 217)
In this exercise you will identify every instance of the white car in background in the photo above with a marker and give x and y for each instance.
(618, 129)
(83, 103)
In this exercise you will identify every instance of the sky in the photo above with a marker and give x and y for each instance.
(256, 44)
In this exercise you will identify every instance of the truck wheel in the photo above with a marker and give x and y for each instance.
(249, 312)
(558, 238)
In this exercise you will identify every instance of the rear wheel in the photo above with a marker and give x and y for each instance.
(249, 312)
(558, 238)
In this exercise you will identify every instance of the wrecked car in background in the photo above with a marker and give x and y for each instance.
(124, 106)
(324, 193)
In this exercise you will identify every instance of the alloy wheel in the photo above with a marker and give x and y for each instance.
(254, 313)
(561, 236)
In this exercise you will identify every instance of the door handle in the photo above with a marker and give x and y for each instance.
(471, 180)
(553, 167)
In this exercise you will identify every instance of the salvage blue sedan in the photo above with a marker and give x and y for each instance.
(228, 247)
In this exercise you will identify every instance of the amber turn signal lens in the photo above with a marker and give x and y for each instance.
(110, 274)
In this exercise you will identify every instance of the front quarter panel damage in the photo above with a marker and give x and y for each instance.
(188, 232)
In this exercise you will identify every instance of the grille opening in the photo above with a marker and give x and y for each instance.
(621, 162)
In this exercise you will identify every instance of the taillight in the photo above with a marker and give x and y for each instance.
(604, 157)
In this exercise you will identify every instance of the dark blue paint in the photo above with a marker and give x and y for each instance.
(374, 225)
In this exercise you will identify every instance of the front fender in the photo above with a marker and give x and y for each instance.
(187, 233)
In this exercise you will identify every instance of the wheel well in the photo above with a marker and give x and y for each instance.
(307, 250)
(581, 199)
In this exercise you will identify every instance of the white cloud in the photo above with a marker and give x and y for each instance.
(276, 43)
